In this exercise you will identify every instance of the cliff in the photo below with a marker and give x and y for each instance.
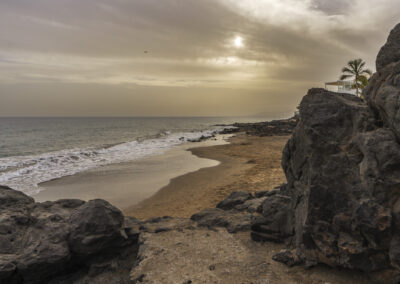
(341, 204)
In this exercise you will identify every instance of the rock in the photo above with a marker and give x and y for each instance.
(41, 241)
(341, 205)
(396, 279)
(383, 91)
(96, 226)
(201, 138)
(265, 193)
(341, 171)
(261, 193)
(390, 52)
(165, 224)
(275, 224)
(234, 199)
(251, 205)
(287, 257)
(268, 128)
(231, 220)
(229, 130)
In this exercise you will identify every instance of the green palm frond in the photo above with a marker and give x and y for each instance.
(345, 76)
(347, 70)
(356, 69)
(366, 71)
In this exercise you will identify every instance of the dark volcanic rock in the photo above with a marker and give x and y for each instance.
(342, 164)
(383, 91)
(41, 241)
(251, 205)
(342, 172)
(390, 52)
(273, 225)
(235, 198)
(233, 221)
(268, 128)
(95, 227)
(341, 205)
(287, 257)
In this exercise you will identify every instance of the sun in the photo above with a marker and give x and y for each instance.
(238, 42)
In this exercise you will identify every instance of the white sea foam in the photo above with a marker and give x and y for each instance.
(24, 173)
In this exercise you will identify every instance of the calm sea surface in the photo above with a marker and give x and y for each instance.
(34, 150)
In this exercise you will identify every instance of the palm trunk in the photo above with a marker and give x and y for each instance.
(357, 86)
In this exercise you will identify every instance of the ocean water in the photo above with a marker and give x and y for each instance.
(35, 150)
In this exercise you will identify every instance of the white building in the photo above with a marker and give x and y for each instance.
(340, 87)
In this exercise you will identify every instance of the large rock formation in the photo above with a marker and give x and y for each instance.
(343, 170)
(42, 241)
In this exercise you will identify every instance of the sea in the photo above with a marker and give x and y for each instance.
(36, 150)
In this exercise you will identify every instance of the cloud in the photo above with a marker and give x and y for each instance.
(289, 46)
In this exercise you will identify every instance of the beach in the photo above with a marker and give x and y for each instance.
(248, 163)
(181, 181)
(127, 184)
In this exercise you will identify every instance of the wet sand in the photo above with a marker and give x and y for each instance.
(127, 184)
(248, 163)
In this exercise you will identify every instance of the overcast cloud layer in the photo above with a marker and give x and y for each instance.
(177, 57)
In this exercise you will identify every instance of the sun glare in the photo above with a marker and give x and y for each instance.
(238, 42)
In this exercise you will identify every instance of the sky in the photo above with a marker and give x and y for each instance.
(180, 57)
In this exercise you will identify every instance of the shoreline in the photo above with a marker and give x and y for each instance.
(247, 163)
(126, 184)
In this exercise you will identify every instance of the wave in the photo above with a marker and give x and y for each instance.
(25, 173)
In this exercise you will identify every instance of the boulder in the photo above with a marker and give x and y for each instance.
(233, 221)
(96, 226)
(41, 241)
(251, 205)
(275, 223)
(235, 198)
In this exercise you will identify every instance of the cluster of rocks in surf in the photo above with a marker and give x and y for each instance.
(280, 127)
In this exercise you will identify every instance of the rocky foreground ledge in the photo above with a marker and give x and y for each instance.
(72, 241)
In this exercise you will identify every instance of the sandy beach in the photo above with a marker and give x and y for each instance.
(181, 181)
(248, 163)
(127, 184)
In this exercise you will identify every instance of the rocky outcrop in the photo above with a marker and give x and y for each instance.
(335, 165)
(272, 224)
(236, 213)
(268, 128)
(383, 92)
(341, 205)
(390, 52)
(234, 199)
(40, 242)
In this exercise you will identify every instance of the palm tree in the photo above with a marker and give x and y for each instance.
(355, 68)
